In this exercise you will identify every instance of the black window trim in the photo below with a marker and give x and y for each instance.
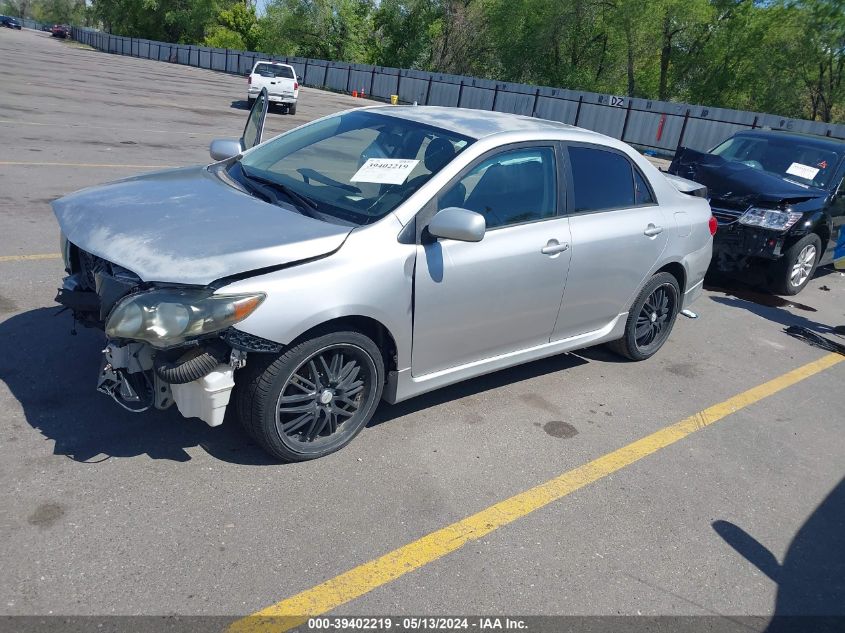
(571, 179)
(429, 209)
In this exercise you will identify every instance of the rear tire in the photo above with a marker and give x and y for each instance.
(314, 398)
(798, 265)
(650, 319)
(292, 109)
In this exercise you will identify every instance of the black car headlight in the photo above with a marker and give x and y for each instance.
(774, 219)
(167, 317)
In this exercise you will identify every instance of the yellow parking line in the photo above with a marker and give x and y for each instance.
(37, 164)
(21, 258)
(360, 580)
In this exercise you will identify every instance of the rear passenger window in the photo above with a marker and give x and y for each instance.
(642, 194)
(602, 180)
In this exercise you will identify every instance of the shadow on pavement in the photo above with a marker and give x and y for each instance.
(811, 579)
(387, 412)
(53, 375)
(736, 294)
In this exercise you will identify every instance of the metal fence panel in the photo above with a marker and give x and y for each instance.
(655, 124)
(515, 102)
(337, 78)
(384, 84)
(704, 135)
(603, 119)
(477, 98)
(444, 94)
(361, 80)
(413, 86)
(315, 73)
(556, 109)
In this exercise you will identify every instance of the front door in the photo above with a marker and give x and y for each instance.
(477, 300)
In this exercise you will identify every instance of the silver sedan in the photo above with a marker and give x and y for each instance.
(377, 253)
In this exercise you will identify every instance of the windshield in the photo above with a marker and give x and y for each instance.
(357, 166)
(274, 70)
(804, 163)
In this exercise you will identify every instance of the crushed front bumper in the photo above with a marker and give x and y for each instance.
(736, 246)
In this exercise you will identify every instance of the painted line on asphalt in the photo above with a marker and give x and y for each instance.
(356, 582)
(15, 163)
(99, 127)
(24, 258)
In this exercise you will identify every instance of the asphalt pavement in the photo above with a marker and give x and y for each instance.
(105, 512)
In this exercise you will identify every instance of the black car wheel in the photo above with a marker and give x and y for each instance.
(798, 265)
(650, 319)
(314, 398)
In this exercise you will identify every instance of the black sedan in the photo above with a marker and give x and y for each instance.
(779, 199)
(9, 22)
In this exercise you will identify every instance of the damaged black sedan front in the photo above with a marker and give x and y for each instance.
(778, 198)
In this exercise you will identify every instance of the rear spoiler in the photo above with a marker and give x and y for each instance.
(686, 186)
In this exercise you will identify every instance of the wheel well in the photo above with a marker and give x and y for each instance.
(367, 326)
(677, 271)
(824, 235)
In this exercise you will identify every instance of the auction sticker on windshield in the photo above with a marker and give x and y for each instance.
(802, 171)
(387, 171)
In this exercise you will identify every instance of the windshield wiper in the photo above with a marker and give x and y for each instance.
(303, 204)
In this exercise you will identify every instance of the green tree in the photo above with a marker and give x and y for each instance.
(236, 27)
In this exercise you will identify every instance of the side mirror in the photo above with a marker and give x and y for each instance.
(454, 223)
(254, 128)
(223, 148)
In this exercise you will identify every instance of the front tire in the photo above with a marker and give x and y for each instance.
(314, 398)
(650, 319)
(798, 265)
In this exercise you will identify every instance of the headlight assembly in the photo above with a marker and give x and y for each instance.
(168, 317)
(770, 218)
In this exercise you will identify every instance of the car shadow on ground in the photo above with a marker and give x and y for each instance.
(53, 376)
(783, 310)
(475, 386)
(811, 578)
(241, 104)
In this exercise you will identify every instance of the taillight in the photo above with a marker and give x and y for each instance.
(713, 225)
(296, 85)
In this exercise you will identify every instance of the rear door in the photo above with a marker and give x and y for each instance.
(618, 235)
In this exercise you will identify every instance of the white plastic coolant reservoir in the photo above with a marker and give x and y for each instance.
(207, 397)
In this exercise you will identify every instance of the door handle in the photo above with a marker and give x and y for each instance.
(652, 230)
(554, 247)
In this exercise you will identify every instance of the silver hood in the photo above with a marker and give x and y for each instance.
(188, 226)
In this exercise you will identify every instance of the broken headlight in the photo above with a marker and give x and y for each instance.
(770, 218)
(168, 317)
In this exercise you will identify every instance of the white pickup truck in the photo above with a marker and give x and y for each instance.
(280, 81)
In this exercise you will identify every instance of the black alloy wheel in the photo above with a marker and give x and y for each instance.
(312, 399)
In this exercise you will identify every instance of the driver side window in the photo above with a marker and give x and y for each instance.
(513, 187)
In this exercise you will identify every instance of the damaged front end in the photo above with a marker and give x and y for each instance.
(166, 344)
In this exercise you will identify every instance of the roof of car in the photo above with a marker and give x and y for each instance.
(834, 144)
(477, 123)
